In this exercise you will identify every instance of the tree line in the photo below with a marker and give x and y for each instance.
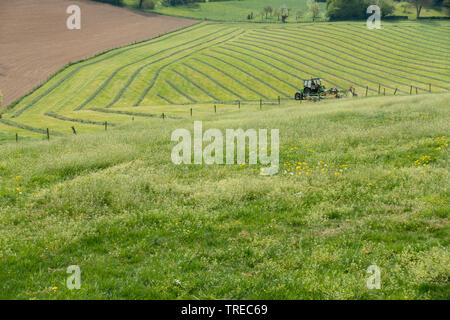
(356, 9)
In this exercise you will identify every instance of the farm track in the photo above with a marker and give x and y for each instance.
(213, 63)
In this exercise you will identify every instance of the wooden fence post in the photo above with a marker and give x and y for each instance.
(260, 104)
(239, 104)
(106, 125)
(215, 109)
(395, 91)
(430, 87)
(74, 131)
(367, 90)
(17, 137)
(163, 116)
(48, 134)
(191, 112)
(384, 91)
(279, 100)
(410, 90)
(379, 88)
(417, 91)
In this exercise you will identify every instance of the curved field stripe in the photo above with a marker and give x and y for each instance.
(314, 68)
(196, 85)
(249, 74)
(115, 72)
(213, 80)
(262, 61)
(70, 74)
(181, 92)
(138, 71)
(385, 43)
(369, 62)
(402, 33)
(64, 118)
(378, 54)
(431, 31)
(152, 83)
(231, 77)
(329, 66)
(398, 33)
(282, 62)
(136, 114)
(379, 47)
(165, 99)
(256, 67)
(29, 128)
(394, 40)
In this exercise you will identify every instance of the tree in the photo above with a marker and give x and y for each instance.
(313, 9)
(277, 13)
(419, 5)
(387, 7)
(268, 10)
(405, 6)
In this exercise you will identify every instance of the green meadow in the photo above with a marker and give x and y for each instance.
(239, 10)
(224, 64)
(362, 181)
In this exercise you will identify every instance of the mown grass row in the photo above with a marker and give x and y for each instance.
(114, 53)
(141, 68)
(222, 63)
(210, 43)
(345, 51)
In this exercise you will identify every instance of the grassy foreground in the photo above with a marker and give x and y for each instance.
(371, 188)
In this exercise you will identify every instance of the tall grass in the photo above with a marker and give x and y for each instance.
(362, 182)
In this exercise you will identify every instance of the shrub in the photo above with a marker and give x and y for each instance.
(148, 4)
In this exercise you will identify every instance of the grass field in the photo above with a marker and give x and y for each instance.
(220, 63)
(362, 182)
(238, 10)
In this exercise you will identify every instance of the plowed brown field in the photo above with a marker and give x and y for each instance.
(35, 42)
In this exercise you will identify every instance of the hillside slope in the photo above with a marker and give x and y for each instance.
(35, 41)
(362, 182)
(222, 63)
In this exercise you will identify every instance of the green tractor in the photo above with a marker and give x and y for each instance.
(314, 89)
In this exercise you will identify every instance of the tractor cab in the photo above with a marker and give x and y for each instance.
(314, 85)
(311, 86)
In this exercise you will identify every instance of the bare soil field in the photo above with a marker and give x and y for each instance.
(35, 42)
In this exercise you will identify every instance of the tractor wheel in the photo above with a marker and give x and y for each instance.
(298, 96)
